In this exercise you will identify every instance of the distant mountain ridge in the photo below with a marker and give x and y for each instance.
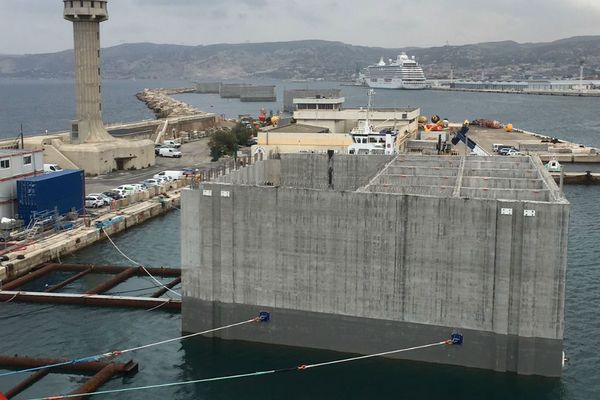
(317, 59)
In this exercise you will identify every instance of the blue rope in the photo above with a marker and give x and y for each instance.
(98, 357)
(246, 375)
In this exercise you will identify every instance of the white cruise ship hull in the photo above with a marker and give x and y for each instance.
(395, 84)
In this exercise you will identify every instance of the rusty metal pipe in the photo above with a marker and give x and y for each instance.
(169, 285)
(89, 300)
(15, 283)
(113, 269)
(27, 382)
(114, 281)
(19, 362)
(101, 377)
(68, 281)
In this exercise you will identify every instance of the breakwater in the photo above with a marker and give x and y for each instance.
(163, 105)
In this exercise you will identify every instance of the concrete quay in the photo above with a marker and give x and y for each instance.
(577, 178)
(129, 212)
(585, 93)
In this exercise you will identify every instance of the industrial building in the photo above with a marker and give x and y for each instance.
(298, 138)
(329, 113)
(291, 94)
(16, 165)
(365, 254)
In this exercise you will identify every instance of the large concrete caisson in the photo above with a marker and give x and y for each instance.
(365, 254)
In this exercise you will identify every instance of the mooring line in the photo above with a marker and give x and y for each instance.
(139, 264)
(12, 298)
(299, 368)
(263, 317)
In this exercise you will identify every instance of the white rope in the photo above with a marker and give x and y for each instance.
(12, 298)
(140, 265)
(188, 336)
(159, 306)
(385, 353)
(239, 376)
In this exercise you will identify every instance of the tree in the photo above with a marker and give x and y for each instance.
(226, 141)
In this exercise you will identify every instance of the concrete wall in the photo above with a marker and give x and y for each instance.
(231, 90)
(311, 171)
(415, 266)
(208, 87)
(258, 93)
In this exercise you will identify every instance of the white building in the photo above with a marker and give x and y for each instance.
(329, 113)
(15, 165)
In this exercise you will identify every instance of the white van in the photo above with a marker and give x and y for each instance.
(172, 143)
(173, 175)
(52, 168)
(169, 152)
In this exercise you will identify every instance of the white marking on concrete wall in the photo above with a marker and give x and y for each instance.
(225, 193)
(529, 213)
(207, 193)
(506, 211)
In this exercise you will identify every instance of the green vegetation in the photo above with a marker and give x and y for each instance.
(227, 141)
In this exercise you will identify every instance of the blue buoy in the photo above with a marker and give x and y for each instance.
(457, 338)
(264, 316)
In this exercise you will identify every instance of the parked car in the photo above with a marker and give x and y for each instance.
(252, 141)
(107, 200)
(172, 143)
(113, 195)
(51, 168)
(169, 152)
(151, 182)
(514, 152)
(189, 171)
(137, 187)
(129, 189)
(157, 148)
(93, 202)
(171, 175)
(121, 192)
(505, 150)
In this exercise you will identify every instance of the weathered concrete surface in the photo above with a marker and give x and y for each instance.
(351, 263)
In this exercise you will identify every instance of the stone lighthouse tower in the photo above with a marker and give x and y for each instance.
(90, 146)
(86, 16)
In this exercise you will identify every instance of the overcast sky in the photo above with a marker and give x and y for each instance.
(36, 26)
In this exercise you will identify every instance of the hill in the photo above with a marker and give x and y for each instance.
(317, 59)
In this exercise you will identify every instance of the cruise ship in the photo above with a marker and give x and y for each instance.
(403, 73)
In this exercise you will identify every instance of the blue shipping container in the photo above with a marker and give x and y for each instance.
(63, 190)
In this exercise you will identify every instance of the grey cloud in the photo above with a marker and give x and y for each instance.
(37, 25)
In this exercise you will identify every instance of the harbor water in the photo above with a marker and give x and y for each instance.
(70, 331)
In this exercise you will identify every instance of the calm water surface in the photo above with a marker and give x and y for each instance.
(69, 331)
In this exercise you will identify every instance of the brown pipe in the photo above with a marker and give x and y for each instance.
(27, 382)
(114, 281)
(113, 269)
(164, 289)
(101, 377)
(29, 277)
(89, 300)
(68, 281)
(30, 362)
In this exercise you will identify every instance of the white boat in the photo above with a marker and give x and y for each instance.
(403, 73)
(553, 166)
(367, 140)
